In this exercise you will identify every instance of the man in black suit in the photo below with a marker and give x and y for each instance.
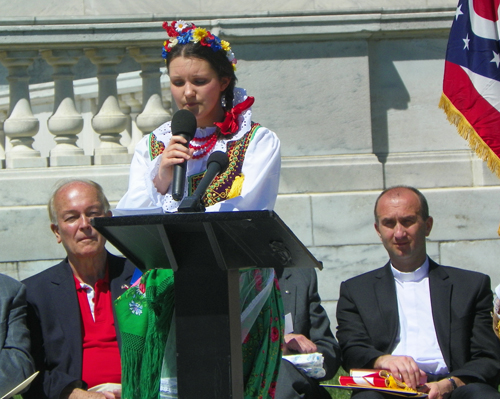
(416, 318)
(311, 333)
(70, 315)
(16, 363)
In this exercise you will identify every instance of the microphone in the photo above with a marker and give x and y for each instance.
(183, 124)
(216, 164)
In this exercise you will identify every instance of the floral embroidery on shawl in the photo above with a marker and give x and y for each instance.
(262, 348)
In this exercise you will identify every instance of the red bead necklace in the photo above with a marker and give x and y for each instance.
(203, 145)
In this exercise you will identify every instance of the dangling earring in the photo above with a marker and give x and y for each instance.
(223, 101)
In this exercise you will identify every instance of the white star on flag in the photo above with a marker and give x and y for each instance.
(496, 59)
(466, 41)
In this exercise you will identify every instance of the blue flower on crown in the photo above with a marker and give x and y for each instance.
(185, 37)
(215, 43)
(181, 32)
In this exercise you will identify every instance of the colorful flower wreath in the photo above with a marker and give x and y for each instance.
(181, 32)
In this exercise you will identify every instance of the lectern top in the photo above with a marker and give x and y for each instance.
(234, 240)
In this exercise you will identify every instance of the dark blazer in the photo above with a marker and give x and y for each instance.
(16, 363)
(54, 321)
(299, 290)
(368, 321)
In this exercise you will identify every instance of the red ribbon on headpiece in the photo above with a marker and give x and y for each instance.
(230, 124)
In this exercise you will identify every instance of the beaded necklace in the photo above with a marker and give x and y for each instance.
(203, 145)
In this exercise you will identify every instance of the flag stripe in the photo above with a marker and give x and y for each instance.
(487, 10)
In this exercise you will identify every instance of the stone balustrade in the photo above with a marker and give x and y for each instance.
(92, 121)
(79, 147)
(107, 137)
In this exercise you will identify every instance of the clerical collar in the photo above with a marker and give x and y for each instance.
(417, 275)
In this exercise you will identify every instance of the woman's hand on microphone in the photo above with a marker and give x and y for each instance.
(175, 153)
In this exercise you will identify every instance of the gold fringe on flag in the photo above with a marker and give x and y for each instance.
(466, 130)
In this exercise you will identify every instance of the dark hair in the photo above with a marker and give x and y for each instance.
(424, 206)
(217, 60)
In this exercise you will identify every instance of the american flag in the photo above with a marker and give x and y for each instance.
(471, 86)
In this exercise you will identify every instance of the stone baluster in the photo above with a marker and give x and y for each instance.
(66, 122)
(153, 112)
(3, 116)
(109, 120)
(132, 102)
(21, 126)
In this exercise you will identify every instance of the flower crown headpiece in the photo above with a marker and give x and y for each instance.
(181, 32)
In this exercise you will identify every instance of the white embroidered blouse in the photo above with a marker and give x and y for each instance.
(260, 169)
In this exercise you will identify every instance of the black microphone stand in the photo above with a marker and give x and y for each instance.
(216, 164)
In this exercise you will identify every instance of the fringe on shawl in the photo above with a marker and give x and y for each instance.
(142, 357)
(131, 357)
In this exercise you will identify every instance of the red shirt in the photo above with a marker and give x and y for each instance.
(101, 356)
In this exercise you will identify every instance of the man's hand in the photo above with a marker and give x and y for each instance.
(81, 394)
(299, 344)
(115, 394)
(440, 389)
(403, 368)
(495, 323)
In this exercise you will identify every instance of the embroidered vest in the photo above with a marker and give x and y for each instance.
(220, 189)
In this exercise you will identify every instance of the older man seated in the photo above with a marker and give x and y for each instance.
(70, 315)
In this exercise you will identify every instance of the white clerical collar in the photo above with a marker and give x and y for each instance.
(416, 275)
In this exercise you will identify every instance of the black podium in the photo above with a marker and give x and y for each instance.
(206, 252)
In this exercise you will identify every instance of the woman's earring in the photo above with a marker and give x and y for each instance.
(223, 101)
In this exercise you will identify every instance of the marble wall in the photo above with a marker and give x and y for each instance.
(351, 89)
(77, 9)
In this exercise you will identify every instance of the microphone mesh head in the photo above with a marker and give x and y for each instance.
(220, 158)
(184, 122)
